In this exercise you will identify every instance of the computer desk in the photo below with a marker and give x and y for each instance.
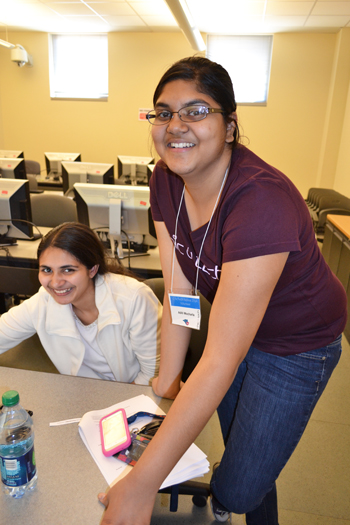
(19, 268)
(68, 478)
(49, 184)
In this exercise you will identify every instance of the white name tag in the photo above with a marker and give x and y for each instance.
(185, 310)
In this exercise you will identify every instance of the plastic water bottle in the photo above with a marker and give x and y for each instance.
(18, 468)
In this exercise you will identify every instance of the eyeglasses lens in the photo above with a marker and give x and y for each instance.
(187, 114)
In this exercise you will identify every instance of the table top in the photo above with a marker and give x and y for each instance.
(342, 222)
(26, 250)
(68, 478)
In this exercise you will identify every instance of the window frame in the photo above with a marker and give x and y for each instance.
(213, 55)
(55, 94)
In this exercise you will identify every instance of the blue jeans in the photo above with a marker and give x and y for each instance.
(263, 416)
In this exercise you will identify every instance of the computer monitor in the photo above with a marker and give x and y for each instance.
(15, 211)
(150, 168)
(53, 162)
(12, 168)
(133, 170)
(122, 211)
(86, 172)
(11, 154)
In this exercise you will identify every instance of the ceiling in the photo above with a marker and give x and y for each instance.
(209, 16)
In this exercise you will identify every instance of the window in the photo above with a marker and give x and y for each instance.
(247, 60)
(79, 66)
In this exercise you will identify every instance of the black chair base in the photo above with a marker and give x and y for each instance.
(200, 492)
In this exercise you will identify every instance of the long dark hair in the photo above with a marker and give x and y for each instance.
(211, 78)
(81, 242)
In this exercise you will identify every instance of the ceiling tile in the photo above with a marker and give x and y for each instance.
(285, 21)
(288, 8)
(331, 8)
(224, 8)
(111, 8)
(70, 8)
(327, 21)
(35, 16)
(153, 7)
(125, 21)
(220, 26)
(211, 16)
(160, 21)
(61, 2)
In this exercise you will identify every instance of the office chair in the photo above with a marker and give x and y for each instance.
(50, 209)
(32, 167)
(198, 490)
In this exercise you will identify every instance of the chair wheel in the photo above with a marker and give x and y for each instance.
(199, 501)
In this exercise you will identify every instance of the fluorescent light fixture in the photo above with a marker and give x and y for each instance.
(184, 20)
(4, 43)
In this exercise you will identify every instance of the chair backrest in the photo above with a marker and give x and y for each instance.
(33, 183)
(32, 167)
(198, 337)
(50, 209)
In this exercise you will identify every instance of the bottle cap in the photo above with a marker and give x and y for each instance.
(10, 398)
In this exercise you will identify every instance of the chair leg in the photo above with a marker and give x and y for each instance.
(200, 492)
(174, 498)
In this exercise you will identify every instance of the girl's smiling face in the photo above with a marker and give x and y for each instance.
(65, 278)
(192, 149)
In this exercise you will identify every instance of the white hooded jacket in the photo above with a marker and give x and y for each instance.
(128, 328)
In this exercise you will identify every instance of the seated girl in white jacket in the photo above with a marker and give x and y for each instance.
(90, 321)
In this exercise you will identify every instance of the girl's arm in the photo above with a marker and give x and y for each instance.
(243, 294)
(174, 338)
(144, 333)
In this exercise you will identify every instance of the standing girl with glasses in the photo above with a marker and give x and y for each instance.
(236, 229)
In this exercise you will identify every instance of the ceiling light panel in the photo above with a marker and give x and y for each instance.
(35, 16)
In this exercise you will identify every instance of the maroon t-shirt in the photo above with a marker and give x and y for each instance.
(260, 212)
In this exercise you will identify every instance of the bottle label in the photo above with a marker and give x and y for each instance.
(18, 471)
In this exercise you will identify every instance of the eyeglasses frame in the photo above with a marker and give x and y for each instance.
(207, 112)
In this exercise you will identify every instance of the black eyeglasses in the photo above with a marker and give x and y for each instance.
(194, 113)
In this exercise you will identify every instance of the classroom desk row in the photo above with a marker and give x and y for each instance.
(19, 268)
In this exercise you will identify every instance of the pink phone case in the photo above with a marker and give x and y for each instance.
(108, 450)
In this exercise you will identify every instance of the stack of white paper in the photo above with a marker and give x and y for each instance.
(193, 463)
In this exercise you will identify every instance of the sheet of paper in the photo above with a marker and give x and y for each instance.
(192, 464)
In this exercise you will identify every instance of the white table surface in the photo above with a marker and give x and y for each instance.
(68, 478)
